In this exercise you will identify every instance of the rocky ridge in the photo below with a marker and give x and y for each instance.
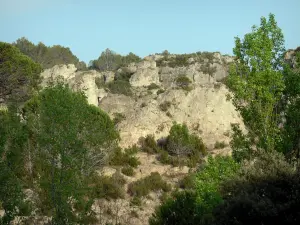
(204, 108)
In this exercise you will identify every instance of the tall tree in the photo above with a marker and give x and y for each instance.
(19, 75)
(257, 83)
(70, 139)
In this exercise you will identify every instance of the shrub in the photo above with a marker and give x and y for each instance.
(188, 182)
(153, 86)
(136, 201)
(143, 105)
(126, 158)
(148, 144)
(207, 69)
(181, 142)
(266, 190)
(108, 187)
(118, 117)
(165, 106)
(153, 182)
(120, 87)
(183, 82)
(182, 209)
(160, 91)
(220, 145)
(99, 82)
(128, 171)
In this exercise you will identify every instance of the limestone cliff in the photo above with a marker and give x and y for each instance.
(204, 108)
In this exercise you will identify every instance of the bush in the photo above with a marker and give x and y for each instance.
(153, 86)
(266, 191)
(220, 145)
(165, 106)
(136, 201)
(108, 187)
(183, 82)
(128, 171)
(126, 158)
(153, 182)
(188, 182)
(181, 143)
(207, 69)
(160, 91)
(120, 87)
(118, 117)
(100, 83)
(148, 144)
(182, 209)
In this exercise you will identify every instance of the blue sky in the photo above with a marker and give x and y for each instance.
(144, 27)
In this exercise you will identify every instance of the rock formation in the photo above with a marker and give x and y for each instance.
(204, 108)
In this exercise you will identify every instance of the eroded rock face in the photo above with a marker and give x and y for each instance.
(78, 80)
(204, 109)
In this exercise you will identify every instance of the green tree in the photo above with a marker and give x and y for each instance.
(70, 139)
(291, 107)
(48, 56)
(257, 82)
(12, 142)
(111, 61)
(19, 75)
(264, 191)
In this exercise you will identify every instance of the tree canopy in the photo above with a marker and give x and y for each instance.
(48, 56)
(19, 74)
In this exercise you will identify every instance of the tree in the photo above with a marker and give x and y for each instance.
(69, 139)
(264, 191)
(12, 143)
(257, 83)
(111, 61)
(19, 75)
(48, 56)
(291, 107)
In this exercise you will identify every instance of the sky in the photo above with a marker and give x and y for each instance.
(143, 27)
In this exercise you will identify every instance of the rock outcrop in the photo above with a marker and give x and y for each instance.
(204, 109)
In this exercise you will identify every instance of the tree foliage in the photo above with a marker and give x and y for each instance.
(257, 82)
(48, 56)
(19, 75)
(111, 61)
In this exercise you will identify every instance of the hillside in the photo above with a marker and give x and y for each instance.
(204, 107)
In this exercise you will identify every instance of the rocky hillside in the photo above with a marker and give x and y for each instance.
(157, 98)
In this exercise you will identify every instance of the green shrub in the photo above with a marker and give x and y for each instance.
(183, 82)
(160, 91)
(143, 105)
(188, 182)
(182, 209)
(153, 86)
(120, 87)
(136, 201)
(108, 187)
(118, 117)
(128, 171)
(220, 145)
(153, 182)
(126, 158)
(148, 144)
(207, 69)
(165, 106)
(181, 143)
(100, 82)
(265, 190)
